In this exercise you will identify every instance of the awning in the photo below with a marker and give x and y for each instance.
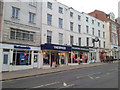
(55, 47)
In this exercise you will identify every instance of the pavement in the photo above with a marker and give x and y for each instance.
(34, 72)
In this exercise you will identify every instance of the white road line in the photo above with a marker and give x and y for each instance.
(88, 75)
(70, 85)
(81, 76)
(97, 77)
(46, 85)
(91, 77)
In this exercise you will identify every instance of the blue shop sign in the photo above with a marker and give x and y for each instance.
(21, 47)
(55, 47)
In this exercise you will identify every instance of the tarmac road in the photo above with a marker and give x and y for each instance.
(104, 76)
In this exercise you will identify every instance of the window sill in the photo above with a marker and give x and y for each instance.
(49, 25)
(16, 19)
(22, 40)
(33, 5)
(50, 8)
(32, 23)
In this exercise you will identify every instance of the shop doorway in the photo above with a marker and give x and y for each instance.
(55, 58)
(5, 65)
(35, 65)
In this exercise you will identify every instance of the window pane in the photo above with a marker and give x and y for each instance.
(18, 35)
(31, 37)
(16, 14)
(60, 38)
(49, 36)
(71, 26)
(60, 10)
(49, 19)
(5, 60)
(49, 5)
(31, 17)
(12, 35)
(60, 22)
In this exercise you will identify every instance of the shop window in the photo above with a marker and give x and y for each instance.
(21, 57)
(46, 58)
(5, 50)
(63, 59)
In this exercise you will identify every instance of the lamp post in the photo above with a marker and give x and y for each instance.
(95, 40)
(97, 50)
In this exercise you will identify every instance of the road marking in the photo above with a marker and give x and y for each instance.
(46, 85)
(91, 77)
(88, 75)
(81, 76)
(70, 85)
(97, 77)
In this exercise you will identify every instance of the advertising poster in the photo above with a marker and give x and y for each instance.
(22, 59)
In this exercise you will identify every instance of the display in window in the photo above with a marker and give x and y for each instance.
(22, 59)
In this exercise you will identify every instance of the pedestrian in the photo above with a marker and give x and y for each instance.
(101, 58)
(93, 61)
(107, 59)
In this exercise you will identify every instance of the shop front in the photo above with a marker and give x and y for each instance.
(79, 53)
(55, 55)
(114, 51)
(18, 57)
(92, 54)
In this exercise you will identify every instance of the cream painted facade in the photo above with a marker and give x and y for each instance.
(112, 36)
(12, 50)
(54, 28)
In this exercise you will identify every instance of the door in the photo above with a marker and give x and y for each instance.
(5, 65)
(35, 65)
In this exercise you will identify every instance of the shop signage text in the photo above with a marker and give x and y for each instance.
(59, 47)
(76, 48)
(21, 47)
(55, 47)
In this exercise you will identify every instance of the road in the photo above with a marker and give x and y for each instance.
(105, 76)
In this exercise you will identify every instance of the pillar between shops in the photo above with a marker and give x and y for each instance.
(66, 54)
(89, 59)
(1, 59)
(32, 59)
(40, 60)
(60, 59)
(97, 55)
(10, 60)
(50, 59)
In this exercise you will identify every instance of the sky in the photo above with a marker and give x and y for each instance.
(87, 6)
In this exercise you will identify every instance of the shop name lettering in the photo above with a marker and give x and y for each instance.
(80, 48)
(59, 47)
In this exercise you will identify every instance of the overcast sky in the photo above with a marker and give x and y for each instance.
(90, 5)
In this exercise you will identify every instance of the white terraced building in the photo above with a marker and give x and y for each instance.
(41, 34)
(62, 25)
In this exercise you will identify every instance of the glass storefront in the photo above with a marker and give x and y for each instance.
(52, 56)
(55, 54)
(79, 53)
(21, 57)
